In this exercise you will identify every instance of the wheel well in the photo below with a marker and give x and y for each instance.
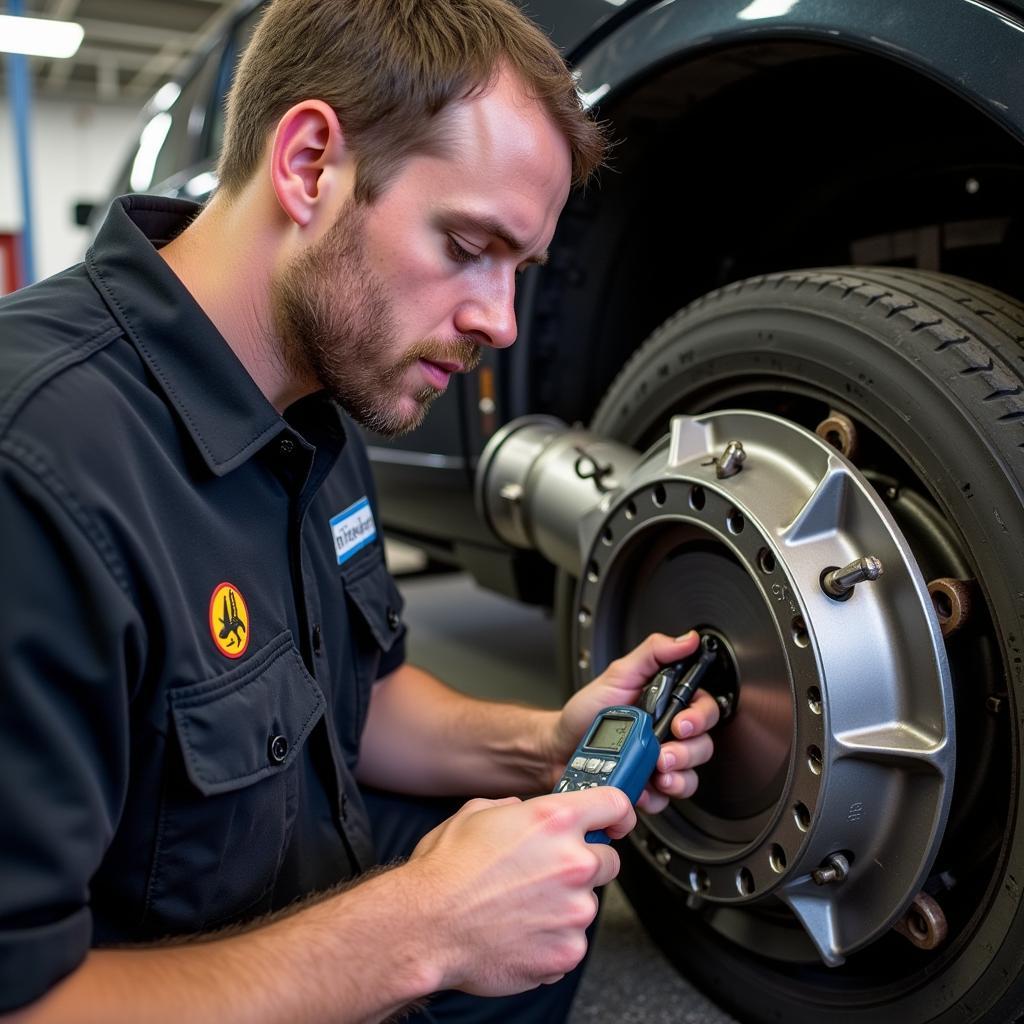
(763, 158)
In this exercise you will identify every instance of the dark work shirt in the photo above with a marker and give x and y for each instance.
(195, 608)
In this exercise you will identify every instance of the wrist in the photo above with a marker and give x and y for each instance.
(552, 750)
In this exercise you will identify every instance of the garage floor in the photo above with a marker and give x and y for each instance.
(489, 646)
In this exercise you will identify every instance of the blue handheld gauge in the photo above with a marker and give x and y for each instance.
(621, 747)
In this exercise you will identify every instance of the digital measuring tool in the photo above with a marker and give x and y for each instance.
(621, 748)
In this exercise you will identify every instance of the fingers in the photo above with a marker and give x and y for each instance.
(608, 864)
(649, 656)
(699, 717)
(603, 807)
(675, 755)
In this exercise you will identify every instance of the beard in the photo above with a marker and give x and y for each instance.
(335, 326)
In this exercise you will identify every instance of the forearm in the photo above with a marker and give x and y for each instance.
(352, 958)
(424, 738)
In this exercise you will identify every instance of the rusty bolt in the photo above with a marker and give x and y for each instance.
(836, 868)
(924, 923)
(840, 432)
(952, 601)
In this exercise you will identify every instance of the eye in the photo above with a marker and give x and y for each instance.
(458, 253)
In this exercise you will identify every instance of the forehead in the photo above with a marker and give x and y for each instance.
(504, 156)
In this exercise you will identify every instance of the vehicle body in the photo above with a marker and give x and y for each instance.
(756, 137)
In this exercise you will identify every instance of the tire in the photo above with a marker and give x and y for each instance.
(929, 368)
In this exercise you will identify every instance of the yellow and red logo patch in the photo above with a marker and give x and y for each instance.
(229, 620)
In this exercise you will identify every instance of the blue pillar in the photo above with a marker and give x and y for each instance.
(20, 91)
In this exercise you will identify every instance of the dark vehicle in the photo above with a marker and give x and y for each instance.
(856, 852)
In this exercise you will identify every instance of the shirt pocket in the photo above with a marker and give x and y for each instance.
(230, 789)
(376, 627)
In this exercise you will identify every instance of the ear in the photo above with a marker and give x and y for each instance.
(310, 161)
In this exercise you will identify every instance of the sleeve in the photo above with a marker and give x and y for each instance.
(69, 634)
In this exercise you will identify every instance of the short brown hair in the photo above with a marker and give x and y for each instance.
(389, 68)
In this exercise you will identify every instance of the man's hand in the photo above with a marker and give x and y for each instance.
(621, 683)
(510, 886)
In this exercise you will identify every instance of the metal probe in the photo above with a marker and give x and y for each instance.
(664, 697)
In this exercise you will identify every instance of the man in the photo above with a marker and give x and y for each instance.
(203, 662)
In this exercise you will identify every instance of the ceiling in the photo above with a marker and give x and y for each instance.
(131, 47)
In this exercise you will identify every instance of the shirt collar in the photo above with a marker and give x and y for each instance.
(223, 409)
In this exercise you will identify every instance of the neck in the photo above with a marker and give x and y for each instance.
(226, 259)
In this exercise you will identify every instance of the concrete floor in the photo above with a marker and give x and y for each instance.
(492, 647)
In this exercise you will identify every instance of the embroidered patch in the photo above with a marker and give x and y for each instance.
(353, 529)
(229, 620)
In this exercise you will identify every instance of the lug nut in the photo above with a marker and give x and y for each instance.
(838, 867)
(839, 583)
(730, 462)
(952, 601)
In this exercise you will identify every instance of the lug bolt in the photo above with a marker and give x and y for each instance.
(839, 583)
(730, 462)
(663, 857)
(836, 871)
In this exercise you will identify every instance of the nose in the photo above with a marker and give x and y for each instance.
(489, 315)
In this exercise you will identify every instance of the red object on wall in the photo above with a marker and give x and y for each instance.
(10, 264)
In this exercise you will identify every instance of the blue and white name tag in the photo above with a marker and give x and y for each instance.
(353, 529)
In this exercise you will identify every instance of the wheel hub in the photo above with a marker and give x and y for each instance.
(839, 744)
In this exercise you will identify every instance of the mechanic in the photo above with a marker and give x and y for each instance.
(204, 669)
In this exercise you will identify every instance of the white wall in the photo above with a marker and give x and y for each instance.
(77, 150)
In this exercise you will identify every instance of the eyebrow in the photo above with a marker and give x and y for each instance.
(493, 227)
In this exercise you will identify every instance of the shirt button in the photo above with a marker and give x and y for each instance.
(286, 446)
(278, 749)
(316, 638)
(394, 619)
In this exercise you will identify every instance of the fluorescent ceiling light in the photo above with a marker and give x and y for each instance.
(766, 9)
(38, 37)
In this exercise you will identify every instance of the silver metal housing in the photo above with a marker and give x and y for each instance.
(840, 743)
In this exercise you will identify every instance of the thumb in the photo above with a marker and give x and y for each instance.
(632, 671)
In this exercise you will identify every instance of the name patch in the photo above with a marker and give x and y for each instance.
(353, 529)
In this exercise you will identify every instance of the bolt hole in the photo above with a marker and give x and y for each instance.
(766, 560)
(943, 605)
(593, 572)
(659, 497)
(800, 637)
(584, 617)
(698, 499)
(918, 925)
(814, 761)
(835, 439)
(744, 882)
(734, 520)
(801, 816)
(584, 660)
(699, 881)
(777, 858)
(631, 510)
(607, 536)
(814, 699)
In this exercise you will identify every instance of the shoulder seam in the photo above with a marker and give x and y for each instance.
(34, 465)
(38, 375)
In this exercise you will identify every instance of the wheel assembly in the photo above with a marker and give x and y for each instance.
(799, 475)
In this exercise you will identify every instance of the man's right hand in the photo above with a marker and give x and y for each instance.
(510, 885)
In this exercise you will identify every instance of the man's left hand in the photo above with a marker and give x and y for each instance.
(621, 683)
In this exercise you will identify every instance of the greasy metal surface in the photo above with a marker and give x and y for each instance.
(951, 41)
(840, 729)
